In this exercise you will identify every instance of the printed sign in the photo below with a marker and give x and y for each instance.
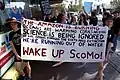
(61, 42)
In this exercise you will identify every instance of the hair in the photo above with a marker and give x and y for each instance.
(9, 19)
(8, 23)
(93, 13)
(106, 13)
(59, 18)
(109, 17)
(84, 19)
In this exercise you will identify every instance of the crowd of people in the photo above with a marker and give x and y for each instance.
(110, 20)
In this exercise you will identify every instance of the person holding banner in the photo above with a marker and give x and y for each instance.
(102, 65)
(105, 14)
(60, 19)
(93, 20)
(116, 28)
(109, 24)
(82, 20)
(15, 41)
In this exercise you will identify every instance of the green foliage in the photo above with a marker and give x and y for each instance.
(80, 5)
(60, 7)
(75, 8)
(116, 4)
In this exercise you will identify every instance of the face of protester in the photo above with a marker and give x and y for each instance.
(14, 25)
(109, 23)
(81, 17)
(63, 19)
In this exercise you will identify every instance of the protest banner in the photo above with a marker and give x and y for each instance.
(61, 42)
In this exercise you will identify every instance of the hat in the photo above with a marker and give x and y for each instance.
(12, 20)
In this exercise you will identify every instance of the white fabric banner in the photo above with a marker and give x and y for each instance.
(61, 42)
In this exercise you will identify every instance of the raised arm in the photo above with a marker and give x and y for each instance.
(87, 16)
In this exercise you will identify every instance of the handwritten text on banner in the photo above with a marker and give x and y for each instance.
(61, 42)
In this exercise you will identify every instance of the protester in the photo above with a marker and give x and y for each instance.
(68, 18)
(109, 24)
(105, 14)
(60, 19)
(82, 20)
(116, 28)
(93, 19)
(73, 20)
(15, 41)
(48, 18)
(54, 19)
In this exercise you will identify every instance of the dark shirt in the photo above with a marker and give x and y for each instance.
(103, 20)
(109, 38)
(15, 37)
(85, 23)
(116, 25)
(93, 20)
(47, 19)
(54, 19)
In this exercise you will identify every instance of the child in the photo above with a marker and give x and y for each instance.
(109, 24)
(15, 41)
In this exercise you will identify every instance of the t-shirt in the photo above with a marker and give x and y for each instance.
(116, 25)
(110, 36)
(15, 37)
(84, 23)
(54, 19)
(93, 21)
